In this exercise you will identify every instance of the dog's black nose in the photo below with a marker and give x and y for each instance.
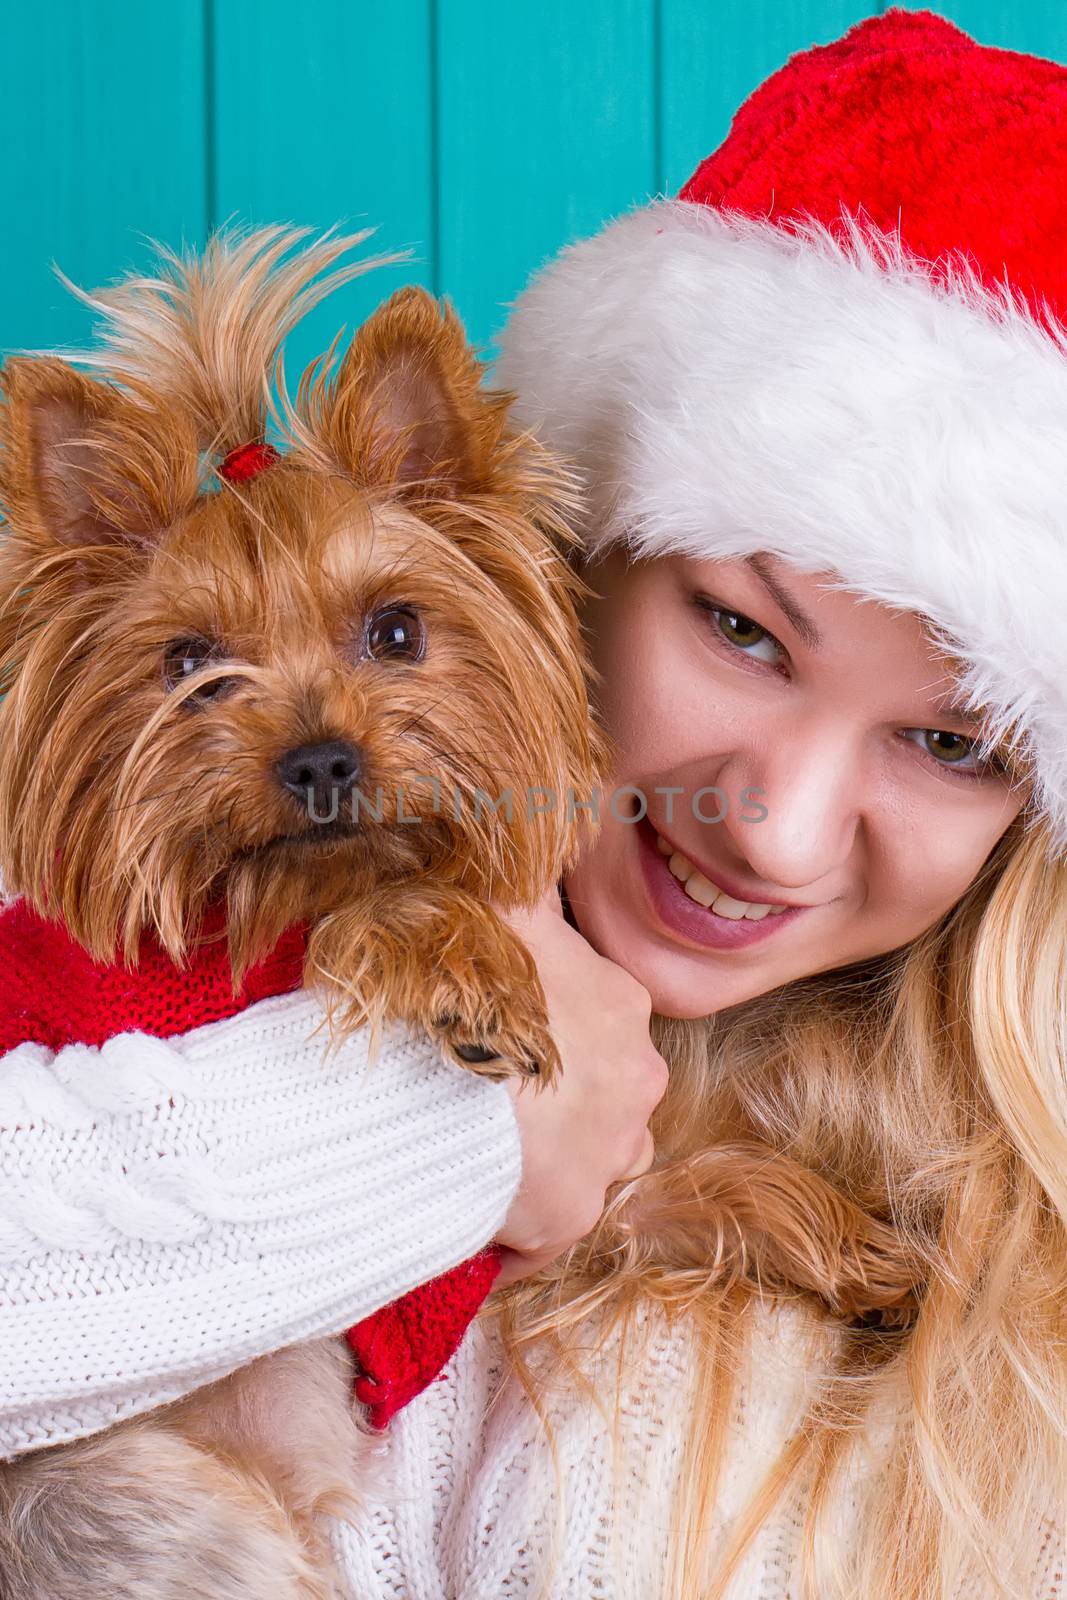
(320, 776)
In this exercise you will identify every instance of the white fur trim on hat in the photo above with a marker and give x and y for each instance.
(726, 386)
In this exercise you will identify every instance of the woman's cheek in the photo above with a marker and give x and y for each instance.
(660, 712)
(929, 864)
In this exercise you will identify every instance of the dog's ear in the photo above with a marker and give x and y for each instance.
(406, 408)
(83, 463)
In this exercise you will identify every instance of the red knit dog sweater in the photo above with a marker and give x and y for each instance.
(55, 995)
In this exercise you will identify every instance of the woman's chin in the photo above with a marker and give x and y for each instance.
(682, 980)
(681, 983)
(665, 1003)
(675, 993)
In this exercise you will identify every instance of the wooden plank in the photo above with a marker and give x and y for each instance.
(105, 142)
(323, 114)
(714, 54)
(546, 129)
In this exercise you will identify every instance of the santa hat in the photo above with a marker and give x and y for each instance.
(845, 343)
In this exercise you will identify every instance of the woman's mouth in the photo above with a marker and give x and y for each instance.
(693, 906)
(708, 894)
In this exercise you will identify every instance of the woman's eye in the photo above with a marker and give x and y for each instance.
(744, 634)
(184, 658)
(395, 634)
(948, 749)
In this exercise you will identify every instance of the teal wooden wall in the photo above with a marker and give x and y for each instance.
(483, 134)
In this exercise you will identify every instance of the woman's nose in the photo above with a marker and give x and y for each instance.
(811, 790)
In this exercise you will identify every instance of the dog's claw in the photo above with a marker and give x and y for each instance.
(479, 1054)
(474, 1052)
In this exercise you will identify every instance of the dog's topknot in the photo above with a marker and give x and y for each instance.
(210, 325)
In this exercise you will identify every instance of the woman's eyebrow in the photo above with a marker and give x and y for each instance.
(799, 619)
(955, 709)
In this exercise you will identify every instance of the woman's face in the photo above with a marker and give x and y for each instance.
(871, 815)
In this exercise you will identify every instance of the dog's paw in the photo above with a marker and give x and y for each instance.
(488, 1009)
(446, 964)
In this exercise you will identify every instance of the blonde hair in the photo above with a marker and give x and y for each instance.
(929, 1088)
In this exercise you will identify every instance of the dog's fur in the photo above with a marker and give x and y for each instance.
(133, 796)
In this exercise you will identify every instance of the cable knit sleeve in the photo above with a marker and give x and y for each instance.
(170, 1209)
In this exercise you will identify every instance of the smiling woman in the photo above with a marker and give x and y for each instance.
(750, 675)
(819, 406)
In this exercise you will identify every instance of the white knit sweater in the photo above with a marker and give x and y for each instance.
(173, 1209)
(170, 1209)
(466, 1492)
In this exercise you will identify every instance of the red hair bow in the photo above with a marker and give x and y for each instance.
(247, 461)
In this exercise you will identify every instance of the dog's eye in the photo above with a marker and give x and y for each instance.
(395, 634)
(183, 658)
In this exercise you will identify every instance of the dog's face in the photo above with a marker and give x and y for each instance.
(291, 690)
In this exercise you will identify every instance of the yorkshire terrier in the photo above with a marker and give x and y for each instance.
(334, 684)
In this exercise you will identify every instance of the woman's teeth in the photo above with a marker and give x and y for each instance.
(705, 893)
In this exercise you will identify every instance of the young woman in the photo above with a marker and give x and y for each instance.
(820, 406)
(827, 481)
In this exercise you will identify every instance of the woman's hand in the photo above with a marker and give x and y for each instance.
(589, 1129)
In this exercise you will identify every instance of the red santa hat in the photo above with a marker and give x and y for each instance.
(845, 343)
